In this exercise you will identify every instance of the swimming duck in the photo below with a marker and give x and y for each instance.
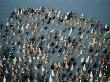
(50, 79)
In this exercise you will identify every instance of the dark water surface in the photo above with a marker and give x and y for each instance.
(98, 9)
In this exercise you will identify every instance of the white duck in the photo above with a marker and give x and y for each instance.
(106, 26)
(38, 57)
(52, 73)
(58, 15)
(97, 54)
(14, 60)
(92, 31)
(82, 15)
(84, 67)
(39, 52)
(42, 69)
(4, 79)
(7, 24)
(30, 60)
(34, 58)
(48, 46)
(91, 75)
(82, 36)
(82, 60)
(50, 79)
(4, 58)
(35, 67)
(65, 17)
(81, 52)
(22, 28)
(72, 67)
(87, 60)
(59, 65)
(28, 80)
(86, 37)
(100, 74)
(52, 30)
(43, 57)
(68, 13)
(6, 71)
(70, 31)
(61, 38)
(13, 33)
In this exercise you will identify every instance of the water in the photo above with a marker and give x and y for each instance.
(98, 9)
(58, 28)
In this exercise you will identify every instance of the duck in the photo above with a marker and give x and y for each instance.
(72, 67)
(92, 31)
(30, 60)
(43, 57)
(4, 79)
(94, 40)
(48, 46)
(29, 80)
(59, 64)
(58, 15)
(40, 52)
(4, 58)
(81, 52)
(65, 17)
(42, 68)
(13, 33)
(70, 31)
(52, 30)
(100, 74)
(82, 36)
(50, 79)
(20, 59)
(22, 28)
(14, 60)
(7, 24)
(52, 73)
(1, 64)
(82, 15)
(106, 26)
(34, 58)
(87, 60)
(91, 77)
(82, 60)
(38, 57)
(6, 71)
(35, 67)
(84, 67)
(97, 54)
(61, 38)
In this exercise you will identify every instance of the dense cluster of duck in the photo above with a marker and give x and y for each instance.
(46, 45)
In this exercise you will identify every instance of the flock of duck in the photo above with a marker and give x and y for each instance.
(47, 45)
